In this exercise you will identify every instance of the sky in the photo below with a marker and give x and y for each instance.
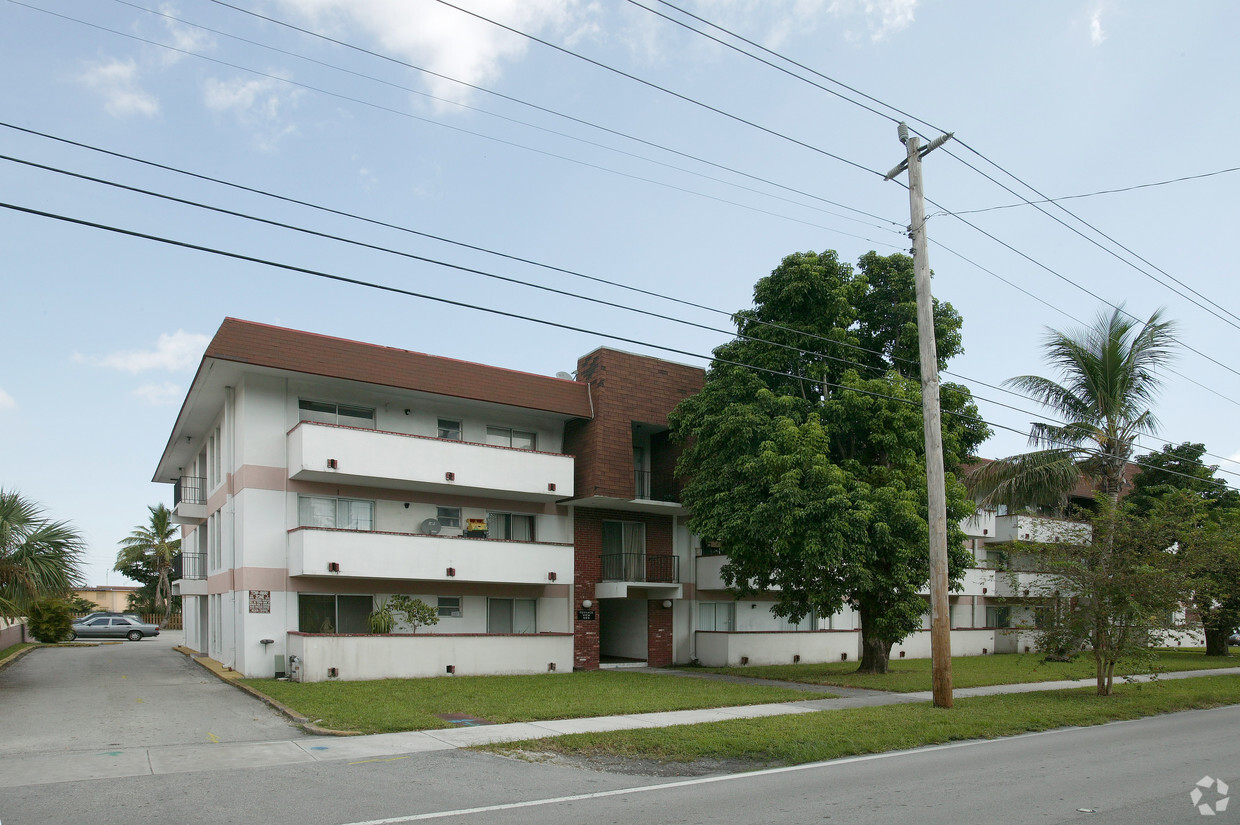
(611, 145)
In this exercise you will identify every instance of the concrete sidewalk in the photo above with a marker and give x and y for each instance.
(66, 767)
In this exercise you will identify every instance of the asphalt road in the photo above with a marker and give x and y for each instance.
(123, 695)
(1130, 772)
(86, 704)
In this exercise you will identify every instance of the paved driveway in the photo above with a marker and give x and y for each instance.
(124, 695)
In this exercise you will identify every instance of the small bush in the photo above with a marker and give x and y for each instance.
(50, 620)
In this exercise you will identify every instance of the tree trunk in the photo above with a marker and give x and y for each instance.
(875, 652)
(163, 593)
(1216, 643)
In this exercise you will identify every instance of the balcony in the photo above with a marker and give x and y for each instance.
(189, 500)
(189, 574)
(190, 566)
(652, 486)
(374, 458)
(626, 575)
(314, 551)
(1040, 529)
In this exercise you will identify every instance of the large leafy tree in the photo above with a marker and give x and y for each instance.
(1175, 487)
(38, 557)
(804, 456)
(151, 546)
(1108, 377)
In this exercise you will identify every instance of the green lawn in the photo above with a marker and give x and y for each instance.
(908, 675)
(413, 704)
(11, 649)
(810, 737)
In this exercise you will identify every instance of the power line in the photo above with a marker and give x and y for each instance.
(512, 99)
(472, 133)
(652, 85)
(471, 270)
(503, 313)
(974, 168)
(1096, 193)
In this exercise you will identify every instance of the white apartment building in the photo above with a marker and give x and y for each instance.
(315, 477)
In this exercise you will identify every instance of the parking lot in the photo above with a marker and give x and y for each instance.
(116, 695)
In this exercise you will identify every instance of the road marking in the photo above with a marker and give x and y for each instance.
(389, 759)
(211, 736)
(702, 780)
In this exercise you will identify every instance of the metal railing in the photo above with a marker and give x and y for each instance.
(640, 567)
(189, 566)
(189, 489)
(654, 486)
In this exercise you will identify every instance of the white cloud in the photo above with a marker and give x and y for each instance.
(7, 401)
(116, 81)
(159, 394)
(186, 38)
(445, 40)
(1096, 34)
(179, 351)
(261, 104)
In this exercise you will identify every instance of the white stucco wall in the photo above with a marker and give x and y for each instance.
(419, 655)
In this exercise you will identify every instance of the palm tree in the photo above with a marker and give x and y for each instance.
(1108, 380)
(152, 546)
(38, 557)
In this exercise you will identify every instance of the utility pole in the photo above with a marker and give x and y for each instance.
(940, 607)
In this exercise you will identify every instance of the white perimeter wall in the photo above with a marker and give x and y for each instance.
(413, 656)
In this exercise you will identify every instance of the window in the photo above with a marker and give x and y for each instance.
(716, 616)
(511, 615)
(808, 622)
(448, 516)
(505, 437)
(624, 550)
(449, 607)
(337, 513)
(327, 413)
(510, 526)
(998, 616)
(333, 614)
(450, 429)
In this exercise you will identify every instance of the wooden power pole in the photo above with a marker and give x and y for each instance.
(940, 608)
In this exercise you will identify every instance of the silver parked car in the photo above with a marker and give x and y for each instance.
(112, 627)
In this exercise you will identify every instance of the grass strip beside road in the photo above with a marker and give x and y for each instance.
(387, 705)
(813, 737)
(910, 675)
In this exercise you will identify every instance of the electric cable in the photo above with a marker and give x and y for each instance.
(519, 101)
(503, 313)
(565, 293)
(1098, 192)
(963, 143)
(652, 85)
(458, 129)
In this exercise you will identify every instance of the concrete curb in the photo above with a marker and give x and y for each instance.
(232, 677)
(13, 657)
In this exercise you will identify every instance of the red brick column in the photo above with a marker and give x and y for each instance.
(658, 634)
(588, 548)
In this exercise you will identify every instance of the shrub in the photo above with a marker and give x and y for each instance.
(49, 620)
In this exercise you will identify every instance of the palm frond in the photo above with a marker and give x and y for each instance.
(1038, 479)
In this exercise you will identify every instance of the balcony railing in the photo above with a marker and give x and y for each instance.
(654, 486)
(189, 566)
(189, 489)
(640, 567)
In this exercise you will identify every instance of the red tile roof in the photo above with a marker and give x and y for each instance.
(246, 342)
